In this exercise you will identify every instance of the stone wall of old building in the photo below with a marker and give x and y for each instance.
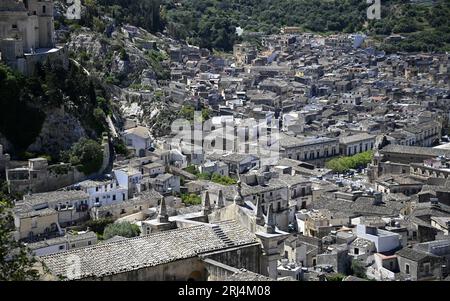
(47, 179)
(233, 212)
(242, 257)
(180, 270)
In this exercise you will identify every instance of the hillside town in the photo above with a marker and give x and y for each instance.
(305, 158)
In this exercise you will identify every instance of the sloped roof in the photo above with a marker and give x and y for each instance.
(139, 131)
(147, 251)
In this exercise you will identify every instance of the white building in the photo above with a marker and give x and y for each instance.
(60, 244)
(355, 144)
(212, 167)
(384, 240)
(138, 138)
(104, 192)
(130, 178)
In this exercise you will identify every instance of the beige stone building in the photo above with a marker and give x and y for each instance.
(34, 223)
(27, 34)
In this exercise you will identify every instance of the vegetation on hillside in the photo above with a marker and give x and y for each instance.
(424, 26)
(212, 23)
(343, 164)
(86, 154)
(24, 100)
(142, 13)
(188, 112)
(156, 57)
(20, 119)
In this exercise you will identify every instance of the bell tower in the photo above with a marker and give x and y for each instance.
(43, 10)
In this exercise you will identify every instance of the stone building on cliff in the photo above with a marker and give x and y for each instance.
(27, 34)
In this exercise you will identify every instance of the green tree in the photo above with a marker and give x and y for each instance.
(86, 154)
(224, 180)
(191, 199)
(16, 262)
(98, 226)
(358, 269)
(335, 277)
(125, 229)
(191, 169)
(204, 176)
(343, 164)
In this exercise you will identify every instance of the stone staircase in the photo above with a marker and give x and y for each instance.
(223, 237)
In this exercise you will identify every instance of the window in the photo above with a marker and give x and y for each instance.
(356, 251)
(96, 188)
(73, 245)
(14, 26)
(407, 268)
(44, 9)
(89, 243)
(97, 200)
(114, 197)
(61, 247)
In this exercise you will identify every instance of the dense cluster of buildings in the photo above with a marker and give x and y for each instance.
(288, 218)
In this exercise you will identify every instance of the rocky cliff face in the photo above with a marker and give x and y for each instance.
(122, 61)
(117, 59)
(59, 131)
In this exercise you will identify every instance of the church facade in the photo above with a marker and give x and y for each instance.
(27, 34)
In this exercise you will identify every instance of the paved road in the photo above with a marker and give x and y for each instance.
(112, 127)
(79, 66)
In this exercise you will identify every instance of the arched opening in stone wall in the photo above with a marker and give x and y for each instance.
(195, 276)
